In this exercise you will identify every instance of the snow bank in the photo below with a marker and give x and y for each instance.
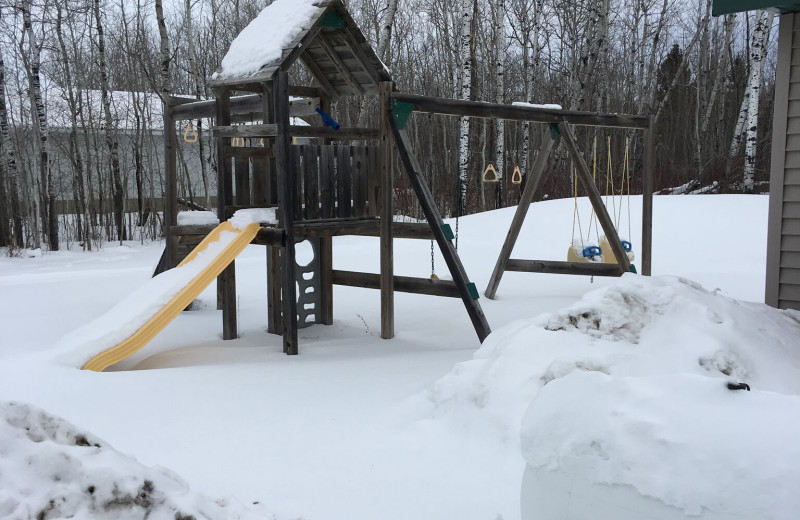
(263, 40)
(197, 218)
(667, 446)
(635, 377)
(127, 316)
(51, 469)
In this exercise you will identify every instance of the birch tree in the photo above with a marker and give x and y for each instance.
(758, 53)
(465, 82)
(500, 49)
(47, 196)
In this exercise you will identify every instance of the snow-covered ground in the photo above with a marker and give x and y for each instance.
(623, 381)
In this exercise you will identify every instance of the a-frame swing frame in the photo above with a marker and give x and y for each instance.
(562, 131)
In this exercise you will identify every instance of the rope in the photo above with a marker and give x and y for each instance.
(576, 215)
(593, 219)
(628, 180)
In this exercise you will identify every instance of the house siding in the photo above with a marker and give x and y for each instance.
(783, 241)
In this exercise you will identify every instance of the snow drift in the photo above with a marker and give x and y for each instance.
(627, 389)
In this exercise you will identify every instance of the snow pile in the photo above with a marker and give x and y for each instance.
(51, 469)
(548, 106)
(628, 387)
(127, 316)
(263, 40)
(243, 217)
(668, 446)
(197, 218)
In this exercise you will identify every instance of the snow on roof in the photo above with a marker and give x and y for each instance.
(263, 40)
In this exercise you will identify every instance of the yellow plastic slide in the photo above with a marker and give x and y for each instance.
(171, 309)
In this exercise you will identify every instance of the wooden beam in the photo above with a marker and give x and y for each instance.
(525, 200)
(286, 199)
(361, 56)
(315, 71)
(226, 281)
(339, 64)
(647, 201)
(328, 187)
(585, 176)
(251, 105)
(551, 267)
(386, 210)
(435, 222)
(446, 288)
(343, 134)
(170, 185)
(246, 131)
(457, 107)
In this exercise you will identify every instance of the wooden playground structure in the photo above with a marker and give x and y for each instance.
(333, 187)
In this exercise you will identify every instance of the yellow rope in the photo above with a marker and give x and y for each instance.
(576, 214)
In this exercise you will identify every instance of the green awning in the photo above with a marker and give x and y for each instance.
(738, 6)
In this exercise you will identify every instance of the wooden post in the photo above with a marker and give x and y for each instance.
(386, 211)
(519, 216)
(274, 321)
(595, 198)
(286, 203)
(326, 242)
(469, 295)
(171, 184)
(647, 201)
(227, 280)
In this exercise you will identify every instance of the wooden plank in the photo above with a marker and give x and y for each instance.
(259, 168)
(245, 131)
(343, 134)
(790, 243)
(791, 193)
(791, 209)
(789, 292)
(359, 182)
(241, 167)
(360, 54)
(286, 202)
(585, 176)
(375, 180)
(296, 152)
(449, 253)
(226, 281)
(789, 259)
(311, 183)
(274, 319)
(456, 107)
(344, 194)
(552, 267)
(327, 181)
(406, 284)
(525, 200)
(366, 227)
(192, 230)
(381, 202)
(790, 226)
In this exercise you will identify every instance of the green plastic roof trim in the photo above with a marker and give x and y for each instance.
(334, 20)
(721, 7)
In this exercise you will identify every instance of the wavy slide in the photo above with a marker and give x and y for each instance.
(223, 248)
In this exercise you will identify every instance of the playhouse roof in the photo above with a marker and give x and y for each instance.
(321, 33)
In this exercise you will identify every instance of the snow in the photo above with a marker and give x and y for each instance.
(263, 40)
(427, 425)
(129, 314)
(197, 218)
(243, 217)
(51, 469)
(548, 106)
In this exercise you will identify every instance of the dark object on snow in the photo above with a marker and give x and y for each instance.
(738, 386)
(328, 120)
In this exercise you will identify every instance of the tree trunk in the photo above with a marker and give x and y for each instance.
(387, 25)
(111, 137)
(46, 189)
(758, 53)
(466, 51)
(499, 49)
